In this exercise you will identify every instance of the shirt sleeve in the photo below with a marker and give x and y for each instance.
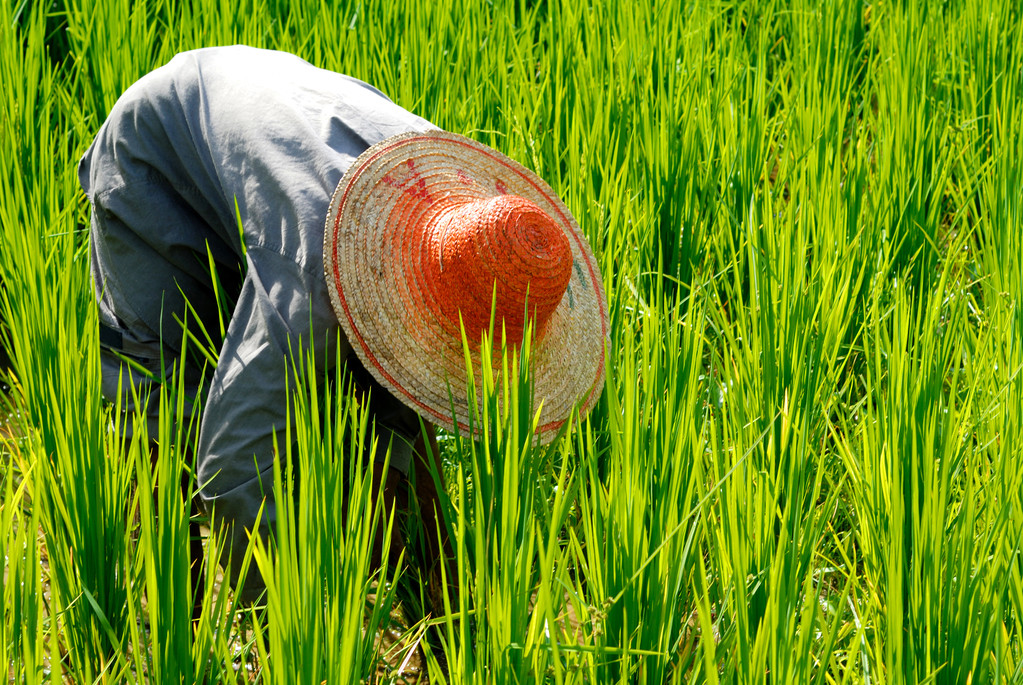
(282, 310)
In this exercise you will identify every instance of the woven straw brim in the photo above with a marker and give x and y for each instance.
(374, 255)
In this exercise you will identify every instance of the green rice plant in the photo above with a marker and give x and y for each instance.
(80, 494)
(777, 357)
(499, 626)
(325, 602)
(783, 316)
(22, 628)
(635, 544)
(991, 118)
(928, 526)
(163, 534)
(164, 644)
(912, 137)
(95, 29)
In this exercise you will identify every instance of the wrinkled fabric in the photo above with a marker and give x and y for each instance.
(218, 138)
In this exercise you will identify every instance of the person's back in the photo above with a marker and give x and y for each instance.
(212, 128)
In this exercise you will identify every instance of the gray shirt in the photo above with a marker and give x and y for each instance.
(215, 129)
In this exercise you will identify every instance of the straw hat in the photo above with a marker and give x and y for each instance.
(421, 232)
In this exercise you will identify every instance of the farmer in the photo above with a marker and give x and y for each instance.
(338, 222)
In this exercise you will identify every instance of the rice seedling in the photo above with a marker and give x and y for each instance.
(805, 466)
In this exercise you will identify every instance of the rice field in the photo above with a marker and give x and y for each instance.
(807, 463)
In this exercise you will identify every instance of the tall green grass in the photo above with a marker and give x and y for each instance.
(325, 601)
(805, 466)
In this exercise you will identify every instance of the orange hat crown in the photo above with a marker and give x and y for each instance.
(504, 243)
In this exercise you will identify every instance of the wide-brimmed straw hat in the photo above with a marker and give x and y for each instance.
(422, 231)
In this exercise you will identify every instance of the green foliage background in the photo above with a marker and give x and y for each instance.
(806, 466)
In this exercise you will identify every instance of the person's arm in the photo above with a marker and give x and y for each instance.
(248, 398)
